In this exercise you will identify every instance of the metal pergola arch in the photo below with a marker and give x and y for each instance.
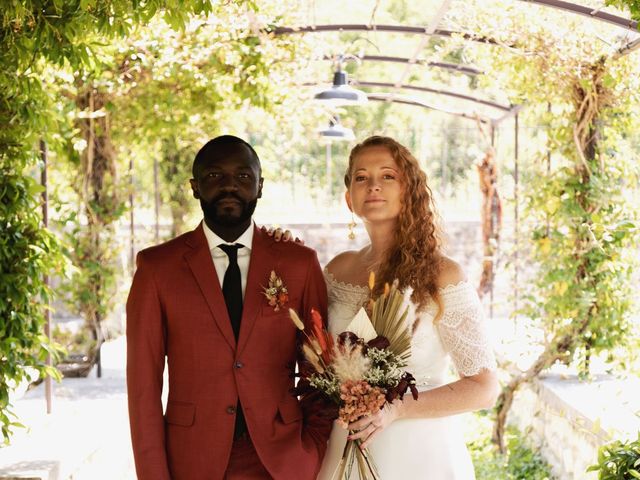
(386, 97)
(432, 30)
(389, 97)
(589, 12)
(454, 67)
(437, 91)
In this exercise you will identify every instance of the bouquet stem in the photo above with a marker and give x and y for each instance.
(351, 454)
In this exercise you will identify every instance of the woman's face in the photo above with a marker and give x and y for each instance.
(376, 189)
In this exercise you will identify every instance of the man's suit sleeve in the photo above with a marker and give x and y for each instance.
(145, 366)
(317, 423)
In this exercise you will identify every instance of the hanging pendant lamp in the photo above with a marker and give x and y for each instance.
(336, 131)
(341, 93)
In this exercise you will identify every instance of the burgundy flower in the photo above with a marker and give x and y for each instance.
(407, 382)
(380, 342)
(349, 338)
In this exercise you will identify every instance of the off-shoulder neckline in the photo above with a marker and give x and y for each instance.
(331, 277)
(364, 288)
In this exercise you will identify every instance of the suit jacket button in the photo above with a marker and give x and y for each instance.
(231, 410)
(238, 365)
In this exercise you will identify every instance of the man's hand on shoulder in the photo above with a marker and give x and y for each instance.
(281, 236)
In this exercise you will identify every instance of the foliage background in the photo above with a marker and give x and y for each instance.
(174, 74)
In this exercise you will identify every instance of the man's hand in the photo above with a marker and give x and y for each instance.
(280, 236)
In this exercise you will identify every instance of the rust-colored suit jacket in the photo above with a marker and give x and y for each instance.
(176, 311)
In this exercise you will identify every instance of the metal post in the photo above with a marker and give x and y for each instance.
(132, 239)
(48, 384)
(494, 262)
(329, 175)
(548, 169)
(444, 170)
(156, 189)
(293, 178)
(516, 214)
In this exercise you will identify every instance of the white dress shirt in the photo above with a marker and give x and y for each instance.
(220, 258)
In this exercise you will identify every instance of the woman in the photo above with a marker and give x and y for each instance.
(410, 439)
(388, 191)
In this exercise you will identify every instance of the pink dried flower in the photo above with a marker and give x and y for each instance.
(359, 399)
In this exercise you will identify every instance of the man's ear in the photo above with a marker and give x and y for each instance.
(260, 183)
(194, 188)
(347, 197)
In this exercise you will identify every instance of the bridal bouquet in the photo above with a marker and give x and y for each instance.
(362, 371)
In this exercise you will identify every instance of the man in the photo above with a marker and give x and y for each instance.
(201, 301)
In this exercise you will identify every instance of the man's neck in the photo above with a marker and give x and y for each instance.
(228, 233)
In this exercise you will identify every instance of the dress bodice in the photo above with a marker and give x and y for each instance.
(458, 335)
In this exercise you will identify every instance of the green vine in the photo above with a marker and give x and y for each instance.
(632, 5)
(33, 34)
(584, 229)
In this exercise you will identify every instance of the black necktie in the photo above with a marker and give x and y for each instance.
(232, 291)
(232, 287)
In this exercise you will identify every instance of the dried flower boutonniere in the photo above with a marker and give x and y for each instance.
(276, 292)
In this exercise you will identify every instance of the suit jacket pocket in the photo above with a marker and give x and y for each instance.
(180, 413)
(290, 411)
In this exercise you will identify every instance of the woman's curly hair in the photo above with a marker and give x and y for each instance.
(415, 258)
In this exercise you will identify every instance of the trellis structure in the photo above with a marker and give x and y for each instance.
(501, 112)
(394, 91)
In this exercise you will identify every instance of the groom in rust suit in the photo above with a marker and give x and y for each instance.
(198, 302)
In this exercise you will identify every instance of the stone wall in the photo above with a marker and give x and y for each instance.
(569, 420)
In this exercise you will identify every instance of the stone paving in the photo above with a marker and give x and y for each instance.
(86, 437)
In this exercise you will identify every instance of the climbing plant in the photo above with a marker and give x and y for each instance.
(162, 89)
(581, 220)
(632, 5)
(33, 35)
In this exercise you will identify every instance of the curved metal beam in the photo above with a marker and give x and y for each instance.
(595, 14)
(383, 28)
(454, 67)
(504, 108)
(390, 97)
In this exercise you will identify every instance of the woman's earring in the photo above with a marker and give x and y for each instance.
(351, 225)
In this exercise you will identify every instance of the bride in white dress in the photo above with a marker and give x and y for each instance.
(411, 439)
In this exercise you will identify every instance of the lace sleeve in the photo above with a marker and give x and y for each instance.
(462, 330)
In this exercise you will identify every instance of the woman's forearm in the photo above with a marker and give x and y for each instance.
(465, 395)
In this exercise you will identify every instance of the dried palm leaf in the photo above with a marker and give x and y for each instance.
(388, 321)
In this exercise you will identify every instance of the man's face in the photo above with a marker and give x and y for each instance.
(228, 185)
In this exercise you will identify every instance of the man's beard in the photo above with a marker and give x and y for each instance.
(220, 217)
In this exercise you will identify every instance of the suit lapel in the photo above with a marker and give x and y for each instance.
(260, 267)
(201, 265)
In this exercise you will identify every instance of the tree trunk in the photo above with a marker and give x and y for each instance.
(491, 218)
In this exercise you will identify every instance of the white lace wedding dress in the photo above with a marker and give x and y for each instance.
(429, 448)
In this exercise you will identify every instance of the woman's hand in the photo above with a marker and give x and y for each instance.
(367, 428)
(278, 235)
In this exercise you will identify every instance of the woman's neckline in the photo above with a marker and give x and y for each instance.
(365, 288)
(334, 280)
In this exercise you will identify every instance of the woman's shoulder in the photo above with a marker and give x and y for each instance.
(451, 273)
(342, 263)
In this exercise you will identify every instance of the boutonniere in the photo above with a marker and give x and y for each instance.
(276, 292)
